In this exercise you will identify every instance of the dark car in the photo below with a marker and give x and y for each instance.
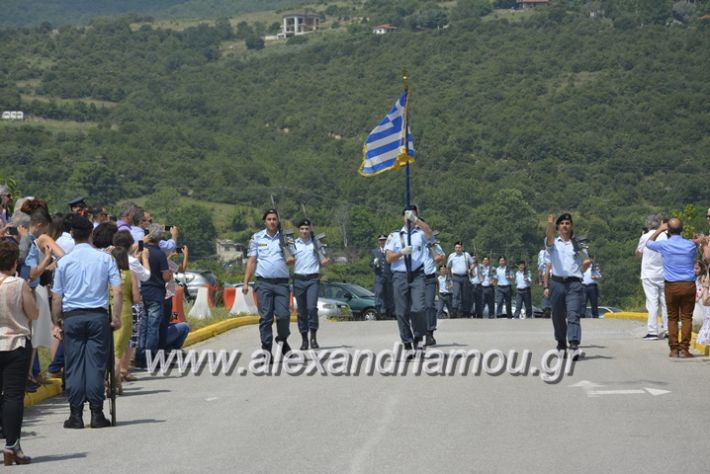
(361, 300)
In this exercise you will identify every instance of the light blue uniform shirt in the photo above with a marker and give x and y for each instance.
(486, 275)
(502, 274)
(475, 277)
(270, 261)
(306, 261)
(32, 260)
(442, 285)
(83, 278)
(563, 260)
(520, 277)
(398, 240)
(429, 262)
(678, 257)
(543, 258)
(591, 272)
(459, 263)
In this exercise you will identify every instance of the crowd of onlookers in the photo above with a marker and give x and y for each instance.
(32, 243)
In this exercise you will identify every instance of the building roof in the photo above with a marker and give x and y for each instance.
(386, 26)
(303, 14)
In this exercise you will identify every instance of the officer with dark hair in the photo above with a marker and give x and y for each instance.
(80, 317)
(568, 264)
(407, 253)
(459, 265)
(306, 282)
(266, 256)
(383, 279)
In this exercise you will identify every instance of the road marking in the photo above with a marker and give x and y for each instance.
(211, 399)
(589, 389)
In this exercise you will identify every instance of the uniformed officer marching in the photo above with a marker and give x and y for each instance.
(306, 282)
(81, 283)
(433, 257)
(476, 289)
(565, 290)
(266, 255)
(404, 255)
(383, 279)
(458, 264)
(487, 289)
(504, 280)
(523, 292)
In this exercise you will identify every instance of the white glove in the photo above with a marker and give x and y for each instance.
(406, 250)
(411, 216)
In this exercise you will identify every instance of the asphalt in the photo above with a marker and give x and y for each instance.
(625, 407)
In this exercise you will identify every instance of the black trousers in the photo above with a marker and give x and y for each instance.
(591, 295)
(13, 374)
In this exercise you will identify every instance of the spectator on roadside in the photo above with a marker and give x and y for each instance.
(153, 296)
(80, 302)
(170, 289)
(5, 204)
(652, 279)
(19, 308)
(678, 271)
(590, 281)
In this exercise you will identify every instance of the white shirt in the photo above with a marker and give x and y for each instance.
(651, 262)
(138, 269)
(66, 242)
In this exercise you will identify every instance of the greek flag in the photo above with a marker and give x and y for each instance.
(385, 147)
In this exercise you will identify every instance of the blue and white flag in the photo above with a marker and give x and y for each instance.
(385, 147)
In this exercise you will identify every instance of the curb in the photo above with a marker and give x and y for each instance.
(702, 348)
(54, 386)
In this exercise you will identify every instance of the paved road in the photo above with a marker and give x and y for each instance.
(644, 413)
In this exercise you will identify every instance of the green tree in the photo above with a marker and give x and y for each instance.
(196, 229)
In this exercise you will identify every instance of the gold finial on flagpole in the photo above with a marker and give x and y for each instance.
(405, 78)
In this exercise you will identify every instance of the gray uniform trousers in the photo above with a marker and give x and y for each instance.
(273, 299)
(523, 297)
(86, 344)
(566, 299)
(488, 298)
(409, 305)
(429, 301)
(306, 294)
(503, 296)
(461, 295)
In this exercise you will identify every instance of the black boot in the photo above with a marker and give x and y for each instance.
(285, 348)
(98, 420)
(76, 418)
(314, 342)
(304, 342)
(430, 341)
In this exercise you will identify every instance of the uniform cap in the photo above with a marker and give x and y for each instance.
(382, 237)
(566, 216)
(77, 202)
(304, 222)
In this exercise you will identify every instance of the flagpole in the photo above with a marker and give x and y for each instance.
(407, 188)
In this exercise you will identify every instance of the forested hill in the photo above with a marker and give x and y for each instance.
(514, 116)
(21, 13)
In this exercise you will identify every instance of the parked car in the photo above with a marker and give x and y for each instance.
(193, 280)
(602, 311)
(361, 300)
(333, 309)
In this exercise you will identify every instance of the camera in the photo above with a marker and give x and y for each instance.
(141, 245)
(12, 231)
(168, 227)
(178, 250)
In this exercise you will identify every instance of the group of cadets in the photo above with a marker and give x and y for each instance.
(410, 268)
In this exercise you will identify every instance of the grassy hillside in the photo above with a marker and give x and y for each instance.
(22, 13)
